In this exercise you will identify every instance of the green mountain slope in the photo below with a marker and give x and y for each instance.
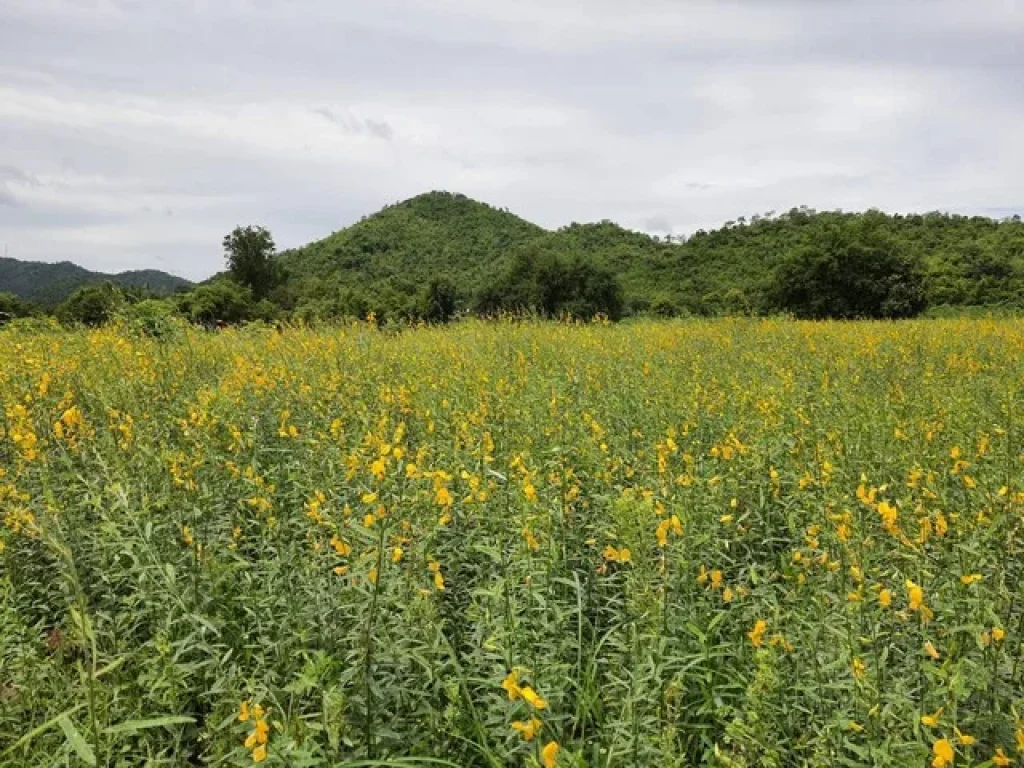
(49, 284)
(390, 255)
(404, 245)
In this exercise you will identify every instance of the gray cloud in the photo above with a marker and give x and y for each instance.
(662, 115)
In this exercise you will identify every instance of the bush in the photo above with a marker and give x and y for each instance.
(91, 305)
(848, 275)
(438, 302)
(217, 303)
(12, 307)
(545, 283)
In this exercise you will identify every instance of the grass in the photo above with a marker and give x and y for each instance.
(730, 543)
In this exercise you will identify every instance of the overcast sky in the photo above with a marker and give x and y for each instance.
(136, 133)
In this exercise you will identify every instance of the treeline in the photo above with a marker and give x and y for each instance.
(438, 256)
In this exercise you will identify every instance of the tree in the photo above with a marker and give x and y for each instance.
(11, 307)
(250, 255)
(438, 302)
(91, 305)
(218, 302)
(850, 273)
(543, 282)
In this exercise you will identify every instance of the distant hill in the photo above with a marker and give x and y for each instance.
(969, 260)
(399, 248)
(49, 284)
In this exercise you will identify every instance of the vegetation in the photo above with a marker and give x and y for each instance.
(382, 262)
(850, 275)
(251, 259)
(440, 255)
(91, 305)
(541, 282)
(12, 307)
(49, 284)
(671, 543)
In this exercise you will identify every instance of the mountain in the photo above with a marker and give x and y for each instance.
(401, 247)
(388, 257)
(49, 284)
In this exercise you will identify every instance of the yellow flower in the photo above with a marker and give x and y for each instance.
(530, 697)
(340, 546)
(396, 554)
(756, 634)
(511, 685)
(530, 492)
(438, 581)
(859, 668)
(259, 754)
(529, 728)
(915, 594)
(1000, 759)
(613, 555)
(885, 598)
(970, 578)
(443, 497)
(963, 738)
(372, 575)
(661, 533)
(943, 752)
(369, 520)
(379, 469)
(931, 650)
(243, 711)
(932, 721)
(549, 755)
(998, 633)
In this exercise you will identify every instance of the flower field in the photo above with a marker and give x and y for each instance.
(728, 542)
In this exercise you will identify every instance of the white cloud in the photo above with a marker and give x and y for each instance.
(141, 132)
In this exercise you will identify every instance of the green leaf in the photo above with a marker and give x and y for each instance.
(40, 730)
(76, 740)
(130, 726)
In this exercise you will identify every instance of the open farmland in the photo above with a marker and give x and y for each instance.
(730, 542)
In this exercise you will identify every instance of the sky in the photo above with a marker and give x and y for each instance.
(137, 133)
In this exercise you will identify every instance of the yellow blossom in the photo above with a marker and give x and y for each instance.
(511, 685)
(932, 720)
(549, 755)
(943, 751)
(530, 697)
(756, 634)
(528, 728)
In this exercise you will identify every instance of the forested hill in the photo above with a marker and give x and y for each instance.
(384, 260)
(49, 284)
(438, 254)
(392, 253)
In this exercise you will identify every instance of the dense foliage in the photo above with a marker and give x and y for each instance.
(383, 261)
(849, 275)
(49, 284)
(542, 282)
(252, 261)
(731, 543)
(439, 255)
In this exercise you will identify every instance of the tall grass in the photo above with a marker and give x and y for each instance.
(732, 543)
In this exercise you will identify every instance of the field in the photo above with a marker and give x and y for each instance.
(730, 542)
